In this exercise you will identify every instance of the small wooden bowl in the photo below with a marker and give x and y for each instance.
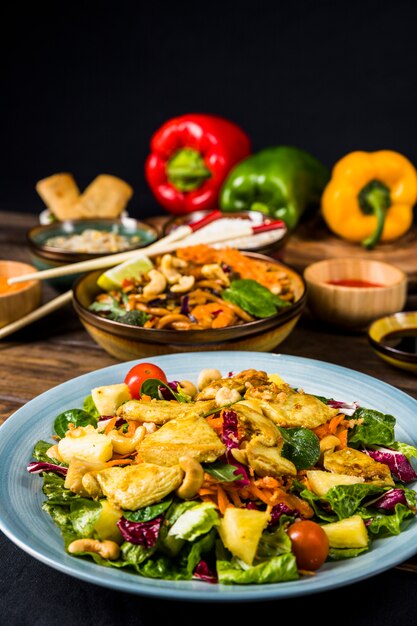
(354, 307)
(394, 352)
(19, 299)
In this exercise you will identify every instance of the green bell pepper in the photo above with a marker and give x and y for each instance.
(280, 181)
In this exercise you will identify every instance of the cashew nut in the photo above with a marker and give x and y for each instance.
(167, 268)
(77, 468)
(185, 283)
(214, 271)
(206, 376)
(227, 396)
(188, 387)
(53, 453)
(91, 485)
(106, 549)
(193, 479)
(126, 445)
(156, 285)
(328, 444)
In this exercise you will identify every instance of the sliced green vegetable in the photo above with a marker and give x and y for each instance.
(301, 447)
(376, 428)
(253, 298)
(78, 417)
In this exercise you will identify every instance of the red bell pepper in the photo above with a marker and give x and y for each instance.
(190, 158)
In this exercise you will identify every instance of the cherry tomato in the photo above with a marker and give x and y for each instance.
(310, 544)
(141, 372)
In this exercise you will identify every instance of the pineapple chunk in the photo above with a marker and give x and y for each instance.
(347, 533)
(105, 526)
(276, 378)
(320, 482)
(109, 397)
(86, 444)
(240, 531)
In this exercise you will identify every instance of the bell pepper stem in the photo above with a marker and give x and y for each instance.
(374, 199)
(186, 170)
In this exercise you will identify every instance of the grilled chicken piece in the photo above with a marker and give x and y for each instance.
(355, 463)
(190, 435)
(161, 411)
(256, 424)
(240, 383)
(297, 409)
(267, 460)
(135, 486)
(255, 378)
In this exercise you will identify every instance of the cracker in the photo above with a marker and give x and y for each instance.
(106, 197)
(60, 193)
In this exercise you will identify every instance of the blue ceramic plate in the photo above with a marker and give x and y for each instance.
(23, 521)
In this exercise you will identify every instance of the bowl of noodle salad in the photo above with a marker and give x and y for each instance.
(197, 298)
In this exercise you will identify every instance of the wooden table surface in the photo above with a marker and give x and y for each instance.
(57, 348)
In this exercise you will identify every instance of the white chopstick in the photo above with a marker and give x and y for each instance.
(169, 243)
(158, 247)
(37, 314)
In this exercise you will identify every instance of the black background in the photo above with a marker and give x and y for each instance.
(86, 84)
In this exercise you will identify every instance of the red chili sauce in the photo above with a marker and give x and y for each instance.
(352, 282)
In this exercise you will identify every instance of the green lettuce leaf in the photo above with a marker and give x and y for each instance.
(277, 569)
(385, 525)
(196, 521)
(39, 453)
(54, 490)
(84, 514)
(376, 429)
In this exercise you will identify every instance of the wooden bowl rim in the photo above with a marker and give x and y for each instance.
(312, 279)
(33, 285)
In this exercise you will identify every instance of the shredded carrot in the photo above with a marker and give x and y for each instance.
(234, 496)
(119, 462)
(222, 499)
(342, 435)
(334, 423)
(205, 491)
(259, 493)
(215, 422)
(131, 428)
(110, 425)
(329, 428)
(145, 397)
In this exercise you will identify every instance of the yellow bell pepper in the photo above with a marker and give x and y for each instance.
(370, 197)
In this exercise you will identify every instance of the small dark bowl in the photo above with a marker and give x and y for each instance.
(268, 243)
(127, 342)
(401, 323)
(44, 256)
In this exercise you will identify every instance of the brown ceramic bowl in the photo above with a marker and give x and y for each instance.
(22, 298)
(45, 256)
(126, 342)
(265, 243)
(331, 299)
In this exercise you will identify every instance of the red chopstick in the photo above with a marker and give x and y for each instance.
(207, 219)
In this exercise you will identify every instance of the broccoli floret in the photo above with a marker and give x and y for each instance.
(134, 318)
